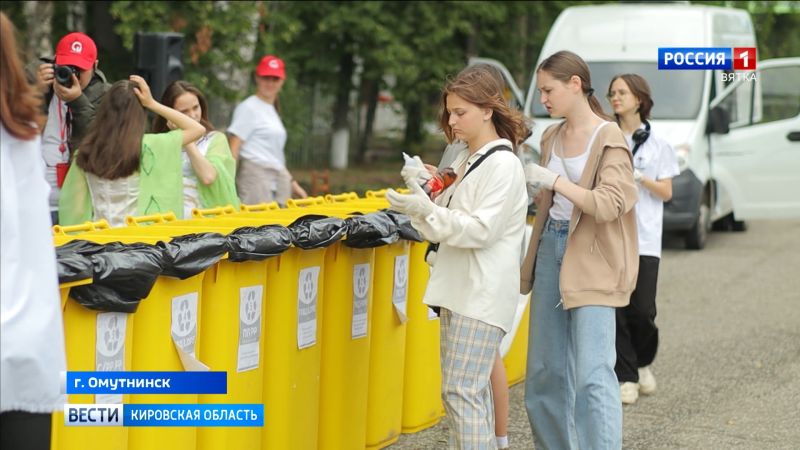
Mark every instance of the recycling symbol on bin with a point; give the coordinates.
(307, 289)
(184, 318)
(250, 307)
(400, 273)
(111, 340)
(360, 287)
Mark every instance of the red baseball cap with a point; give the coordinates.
(271, 66)
(76, 49)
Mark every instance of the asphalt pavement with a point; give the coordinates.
(728, 368)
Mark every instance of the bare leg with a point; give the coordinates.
(500, 394)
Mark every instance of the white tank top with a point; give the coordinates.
(114, 200)
(572, 169)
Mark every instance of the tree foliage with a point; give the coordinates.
(347, 50)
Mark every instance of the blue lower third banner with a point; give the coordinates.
(146, 383)
(164, 415)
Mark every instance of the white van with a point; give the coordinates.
(747, 170)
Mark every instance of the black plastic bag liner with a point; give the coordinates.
(72, 260)
(186, 256)
(316, 231)
(123, 274)
(404, 227)
(258, 243)
(370, 230)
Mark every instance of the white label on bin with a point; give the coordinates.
(184, 330)
(249, 327)
(400, 291)
(110, 349)
(360, 293)
(307, 307)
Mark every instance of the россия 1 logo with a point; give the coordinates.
(706, 58)
(725, 59)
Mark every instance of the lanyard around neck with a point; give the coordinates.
(62, 130)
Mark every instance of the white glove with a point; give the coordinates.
(637, 176)
(415, 173)
(416, 204)
(539, 177)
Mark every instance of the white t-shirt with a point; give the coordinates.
(258, 124)
(572, 169)
(51, 140)
(32, 337)
(656, 160)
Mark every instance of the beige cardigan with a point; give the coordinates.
(601, 261)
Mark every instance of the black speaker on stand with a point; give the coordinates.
(159, 59)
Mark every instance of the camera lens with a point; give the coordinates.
(64, 75)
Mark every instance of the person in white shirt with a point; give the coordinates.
(257, 139)
(655, 164)
(479, 224)
(32, 354)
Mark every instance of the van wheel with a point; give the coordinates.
(697, 236)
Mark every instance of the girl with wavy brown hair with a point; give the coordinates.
(479, 224)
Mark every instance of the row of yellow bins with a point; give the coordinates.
(334, 341)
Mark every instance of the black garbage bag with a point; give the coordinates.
(404, 227)
(316, 231)
(123, 274)
(370, 230)
(258, 243)
(72, 260)
(186, 256)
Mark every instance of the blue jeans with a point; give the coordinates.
(571, 390)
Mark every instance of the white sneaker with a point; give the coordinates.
(647, 382)
(628, 392)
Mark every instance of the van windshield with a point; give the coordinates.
(676, 93)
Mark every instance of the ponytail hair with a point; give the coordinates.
(563, 65)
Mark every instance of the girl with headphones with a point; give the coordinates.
(654, 164)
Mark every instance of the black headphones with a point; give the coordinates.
(640, 136)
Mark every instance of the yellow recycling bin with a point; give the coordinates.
(422, 404)
(167, 323)
(293, 311)
(387, 333)
(232, 333)
(292, 349)
(345, 352)
(422, 388)
(346, 349)
(517, 356)
(94, 341)
(387, 345)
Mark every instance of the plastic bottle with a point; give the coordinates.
(431, 186)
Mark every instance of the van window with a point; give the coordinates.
(780, 93)
(739, 104)
(677, 94)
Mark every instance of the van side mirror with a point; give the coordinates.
(719, 121)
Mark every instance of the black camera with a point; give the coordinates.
(64, 74)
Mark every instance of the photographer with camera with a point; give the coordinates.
(73, 88)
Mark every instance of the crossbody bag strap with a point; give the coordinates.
(478, 163)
